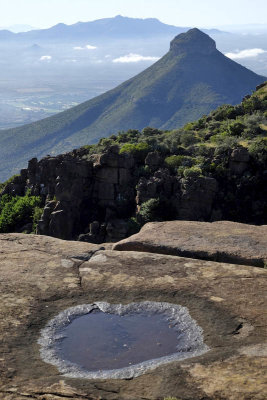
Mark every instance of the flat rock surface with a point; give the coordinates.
(42, 276)
(222, 241)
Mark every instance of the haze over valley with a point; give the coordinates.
(50, 70)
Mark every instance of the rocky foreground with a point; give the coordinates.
(41, 276)
(223, 241)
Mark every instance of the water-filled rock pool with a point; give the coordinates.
(103, 340)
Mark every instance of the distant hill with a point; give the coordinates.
(7, 35)
(18, 28)
(192, 79)
(118, 27)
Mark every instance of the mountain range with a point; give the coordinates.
(190, 80)
(110, 28)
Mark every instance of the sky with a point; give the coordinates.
(200, 13)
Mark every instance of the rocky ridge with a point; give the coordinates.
(95, 196)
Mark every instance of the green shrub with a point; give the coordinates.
(174, 161)
(156, 210)
(148, 131)
(225, 111)
(179, 161)
(188, 139)
(149, 210)
(252, 104)
(189, 126)
(17, 211)
(236, 128)
(130, 136)
(258, 150)
(139, 150)
(192, 172)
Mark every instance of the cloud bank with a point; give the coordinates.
(130, 58)
(45, 58)
(87, 47)
(245, 53)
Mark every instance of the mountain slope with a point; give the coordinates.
(190, 80)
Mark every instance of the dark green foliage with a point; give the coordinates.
(149, 210)
(258, 150)
(17, 211)
(226, 112)
(192, 172)
(174, 161)
(236, 128)
(155, 210)
(148, 131)
(187, 139)
(139, 150)
(178, 161)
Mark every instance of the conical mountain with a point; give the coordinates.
(190, 80)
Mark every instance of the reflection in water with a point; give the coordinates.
(119, 341)
(99, 340)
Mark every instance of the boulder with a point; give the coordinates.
(42, 276)
(116, 230)
(196, 199)
(43, 223)
(61, 224)
(161, 184)
(97, 233)
(222, 241)
(153, 159)
(239, 160)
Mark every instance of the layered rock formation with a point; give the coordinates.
(42, 276)
(93, 197)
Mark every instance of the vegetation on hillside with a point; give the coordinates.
(18, 211)
(201, 148)
(204, 148)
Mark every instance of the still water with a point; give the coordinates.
(101, 341)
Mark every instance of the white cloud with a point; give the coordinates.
(130, 58)
(245, 53)
(87, 47)
(45, 58)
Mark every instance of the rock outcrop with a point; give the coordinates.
(42, 276)
(92, 197)
(222, 241)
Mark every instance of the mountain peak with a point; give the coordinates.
(193, 41)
